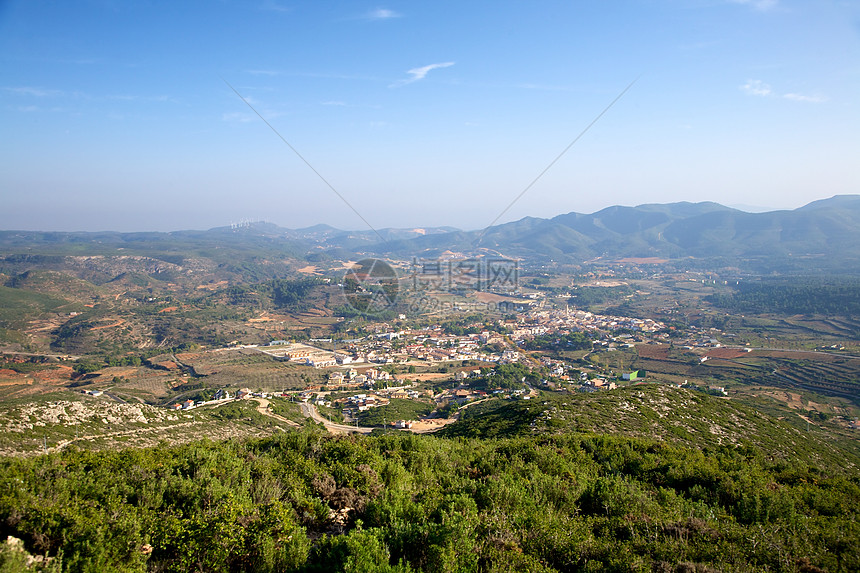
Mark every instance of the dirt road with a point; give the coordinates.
(263, 408)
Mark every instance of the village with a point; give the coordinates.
(434, 345)
(444, 371)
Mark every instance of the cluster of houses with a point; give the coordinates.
(460, 396)
(362, 402)
(351, 377)
(389, 346)
(538, 322)
(221, 396)
(432, 344)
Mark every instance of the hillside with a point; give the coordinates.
(660, 412)
(57, 421)
(306, 502)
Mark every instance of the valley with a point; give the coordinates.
(197, 347)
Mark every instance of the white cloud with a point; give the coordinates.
(421, 73)
(338, 103)
(761, 89)
(805, 98)
(756, 88)
(382, 14)
(761, 5)
(264, 72)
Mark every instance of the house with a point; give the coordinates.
(321, 361)
(188, 404)
(297, 354)
(635, 375)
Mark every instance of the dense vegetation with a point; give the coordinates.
(396, 409)
(304, 501)
(559, 342)
(505, 376)
(837, 296)
(685, 417)
(585, 296)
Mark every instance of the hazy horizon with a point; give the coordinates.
(244, 222)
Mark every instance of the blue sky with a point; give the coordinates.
(115, 115)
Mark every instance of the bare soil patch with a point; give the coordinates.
(653, 352)
(728, 353)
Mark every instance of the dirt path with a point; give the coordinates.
(263, 408)
(310, 411)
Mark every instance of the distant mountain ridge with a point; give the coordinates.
(821, 236)
(824, 235)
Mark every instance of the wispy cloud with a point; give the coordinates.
(139, 98)
(805, 98)
(263, 72)
(760, 89)
(337, 103)
(760, 5)
(756, 88)
(272, 6)
(34, 92)
(238, 117)
(421, 73)
(381, 14)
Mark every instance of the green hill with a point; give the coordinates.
(659, 412)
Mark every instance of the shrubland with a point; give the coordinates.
(307, 501)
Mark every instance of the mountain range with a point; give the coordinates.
(823, 236)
